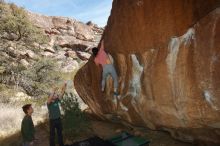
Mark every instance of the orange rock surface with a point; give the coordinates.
(167, 56)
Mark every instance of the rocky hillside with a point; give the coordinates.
(74, 37)
(65, 48)
(167, 57)
(68, 40)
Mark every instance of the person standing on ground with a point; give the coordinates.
(102, 58)
(27, 126)
(55, 115)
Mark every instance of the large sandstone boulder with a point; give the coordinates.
(167, 56)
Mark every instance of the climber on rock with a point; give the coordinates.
(103, 59)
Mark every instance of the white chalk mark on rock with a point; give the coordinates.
(173, 48)
(135, 83)
(123, 107)
(172, 56)
(140, 3)
(171, 60)
(210, 99)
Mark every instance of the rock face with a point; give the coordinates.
(65, 35)
(167, 56)
(67, 30)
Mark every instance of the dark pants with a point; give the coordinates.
(56, 124)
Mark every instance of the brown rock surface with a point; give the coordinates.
(167, 55)
(153, 21)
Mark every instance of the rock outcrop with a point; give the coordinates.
(70, 31)
(65, 35)
(167, 56)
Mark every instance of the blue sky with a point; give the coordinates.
(97, 11)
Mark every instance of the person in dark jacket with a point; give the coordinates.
(27, 126)
(54, 115)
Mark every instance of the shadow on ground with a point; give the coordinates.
(101, 129)
(16, 139)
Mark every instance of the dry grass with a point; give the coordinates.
(11, 116)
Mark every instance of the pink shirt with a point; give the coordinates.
(101, 57)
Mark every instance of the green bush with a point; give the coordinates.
(35, 80)
(15, 23)
(39, 78)
(75, 121)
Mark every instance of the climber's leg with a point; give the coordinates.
(115, 79)
(113, 73)
(104, 76)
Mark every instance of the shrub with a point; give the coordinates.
(15, 25)
(40, 77)
(75, 121)
(36, 80)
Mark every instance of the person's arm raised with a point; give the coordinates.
(63, 90)
(50, 97)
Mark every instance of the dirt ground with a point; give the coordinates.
(102, 129)
(106, 130)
